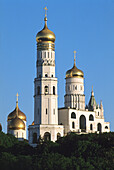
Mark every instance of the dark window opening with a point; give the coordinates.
(54, 90)
(46, 111)
(73, 125)
(91, 118)
(91, 127)
(46, 89)
(73, 115)
(106, 127)
(47, 136)
(46, 75)
(58, 135)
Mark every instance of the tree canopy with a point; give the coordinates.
(72, 152)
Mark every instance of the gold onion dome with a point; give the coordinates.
(45, 34)
(21, 115)
(13, 114)
(74, 72)
(16, 124)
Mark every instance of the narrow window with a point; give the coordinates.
(52, 75)
(54, 111)
(38, 90)
(76, 88)
(46, 89)
(73, 125)
(48, 54)
(98, 113)
(46, 75)
(54, 90)
(91, 127)
(46, 111)
(17, 134)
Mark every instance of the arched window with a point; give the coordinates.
(73, 115)
(47, 136)
(91, 118)
(52, 75)
(34, 137)
(54, 90)
(46, 89)
(82, 123)
(58, 135)
(73, 125)
(91, 127)
(46, 75)
(106, 127)
(38, 90)
(99, 127)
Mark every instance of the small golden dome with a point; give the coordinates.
(16, 124)
(21, 115)
(45, 34)
(74, 72)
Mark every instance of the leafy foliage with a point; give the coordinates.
(74, 152)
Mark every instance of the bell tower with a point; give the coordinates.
(45, 89)
(45, 98)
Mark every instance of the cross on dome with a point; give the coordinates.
(45, 11)
(74, 57)
(17, 104)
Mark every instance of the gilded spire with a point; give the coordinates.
(74, 58)
(45, 19)
(92, 93)
(17, 104)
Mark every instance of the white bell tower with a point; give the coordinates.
(45, 86)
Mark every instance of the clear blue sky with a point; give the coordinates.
(86, 26)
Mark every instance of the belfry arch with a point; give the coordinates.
(47, 136)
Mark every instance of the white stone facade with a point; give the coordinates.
(49, 122)
(73, 124)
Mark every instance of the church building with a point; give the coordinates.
(50, 123)
(16, 123)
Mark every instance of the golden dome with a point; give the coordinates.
(45, 34)
(13, 114)
(16, 124)
(74, 72)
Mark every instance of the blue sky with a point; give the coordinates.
(82, 25)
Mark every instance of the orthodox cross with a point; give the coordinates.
(74, 57)
(17, 105)
(17, 97)
(45, 11)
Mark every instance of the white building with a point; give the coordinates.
(75, 116)
(49, 121)
(16, 123)
(45, 90)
